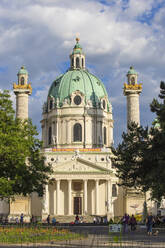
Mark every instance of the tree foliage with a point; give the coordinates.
(22, 167)
(140, 158)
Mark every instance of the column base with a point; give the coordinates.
(44, 217)
(110, 216)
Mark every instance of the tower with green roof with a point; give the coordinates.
(132, 90)
(22, 91)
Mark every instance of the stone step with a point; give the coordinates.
(71, 218)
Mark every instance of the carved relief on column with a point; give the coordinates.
(85, 196)
(45, 203)
(97, 196)
(69, 197)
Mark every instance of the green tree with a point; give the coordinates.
(22, 166)
(140, 158)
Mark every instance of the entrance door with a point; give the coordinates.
(78, 205)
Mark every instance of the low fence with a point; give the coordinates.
(78, 236)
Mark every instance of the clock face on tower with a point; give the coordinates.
(77, 100)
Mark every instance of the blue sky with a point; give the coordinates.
(40, 34)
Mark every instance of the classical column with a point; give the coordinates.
(63, 132)
(58, 131)
(96, 196)
(46, 201)
(69, 196)
(85, 196)
(57, 196)
(109, 195)
(29, 205)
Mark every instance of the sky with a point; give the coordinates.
(114, 34)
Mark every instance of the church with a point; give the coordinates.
(77, 134)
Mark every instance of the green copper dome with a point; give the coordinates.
(77, 80)
(131, 71)
(22, 70)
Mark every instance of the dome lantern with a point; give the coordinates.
(77, 58)
(132, 76)
(22, 76)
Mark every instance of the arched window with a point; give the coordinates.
(114, 190)
(22, 81)
(72, 62)
(104, 104)
(105, 136)
(77, 132)
(82, 63)
(133, 80)
(51, 104)
(50, 135)
(77, 63)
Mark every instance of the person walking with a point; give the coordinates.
(125, 221)
(149, 223)
(133, 223)
(48, 219)
(21, 219)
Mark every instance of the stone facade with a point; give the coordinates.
(77, 134)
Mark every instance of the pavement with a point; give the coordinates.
(99, 236)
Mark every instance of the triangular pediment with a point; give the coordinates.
(80, 165)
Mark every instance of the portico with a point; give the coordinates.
(83, 196)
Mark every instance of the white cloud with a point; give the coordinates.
(40, 34)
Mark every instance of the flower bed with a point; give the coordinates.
(18, 235)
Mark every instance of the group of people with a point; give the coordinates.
(53, 220)
(100, 220)
(127, 220)
(78, 219)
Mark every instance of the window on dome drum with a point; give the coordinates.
(72, 62)
(77, 100)
(51, 104)
(50, 135)
(114, 190)
(82, 63)
(104, 104)
(113, 166)
(77, 132)
(22, 81)
(105, 136)
(77, 63)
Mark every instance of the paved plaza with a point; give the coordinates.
(99, 236)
